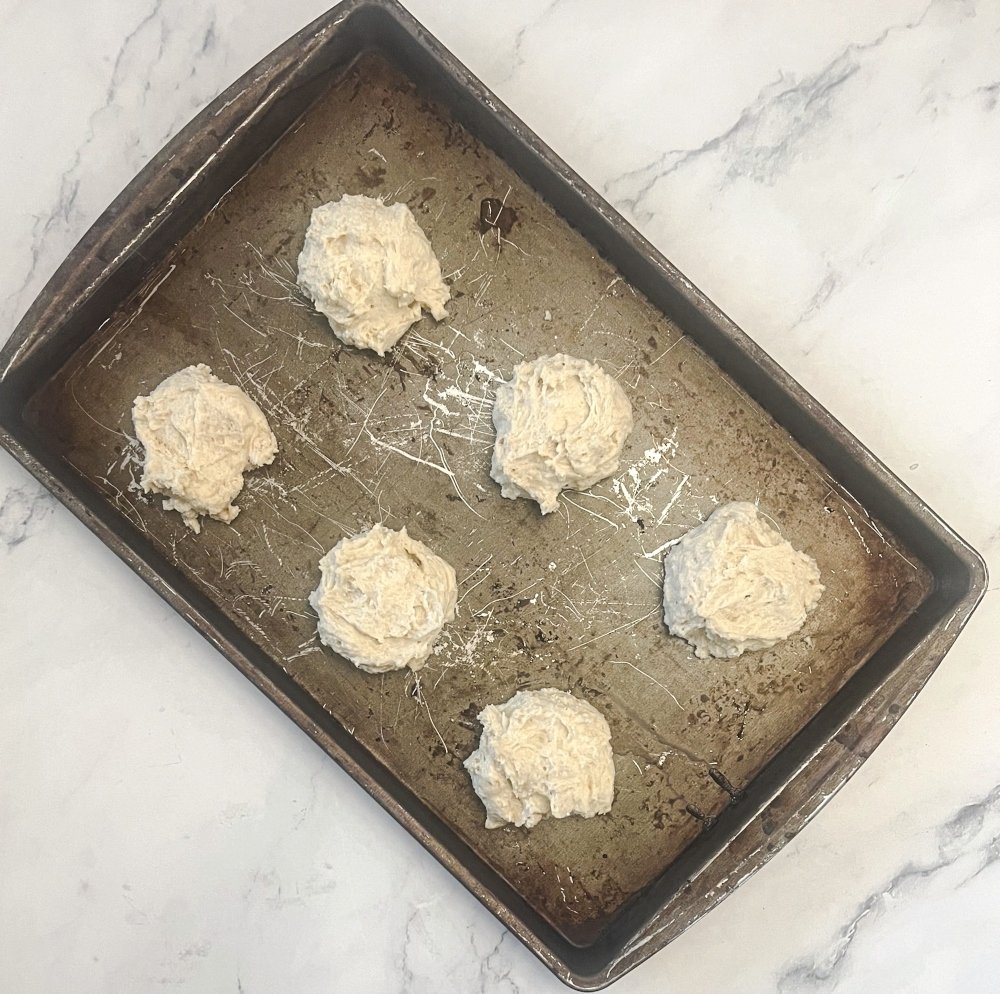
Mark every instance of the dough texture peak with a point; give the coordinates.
(561, 424)
(370, 268)
(199, 436)
(542, 753)
(383, 599)
(734, 584)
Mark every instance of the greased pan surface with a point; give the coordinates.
(571, 600)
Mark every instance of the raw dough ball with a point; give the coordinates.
(200, 434)
(543, 752)
(733, 583)
(383, 600)
(561, 425)
(369, 268)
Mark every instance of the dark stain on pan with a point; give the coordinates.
(495, 216)
(370, 176)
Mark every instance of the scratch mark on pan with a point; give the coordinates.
(652, 579)
(271, 403)
(142, 303)
(263, 533)
(666, 690)
(408, 455)
(95, 356)
(364, 424)
(586, 510)
(445, 469)
(466, 579)
(458, 334)
(857, 530)
(287, 283)
(666, 350)
(901, 556)
(303, 652)
(129, 506)
(660, 549)
(668, 507)
(312, 538)
(600, 300)
(624, 369)
(156, 286)
(469, 590)
(423, 700)
(627, 624)
(507, 597)
(76, 400)
(569, 602)
(454, 650)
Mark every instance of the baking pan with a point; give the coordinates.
(718, 763)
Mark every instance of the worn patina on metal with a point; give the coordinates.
(718, 763)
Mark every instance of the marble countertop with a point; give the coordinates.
(827, 173)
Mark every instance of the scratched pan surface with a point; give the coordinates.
(571, 600)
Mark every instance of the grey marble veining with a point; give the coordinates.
(966, 846)
(769, 132)
(828, 174)
(23, 511)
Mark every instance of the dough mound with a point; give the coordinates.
(383, 600)
(369, 268)
(543, 752)
(200, 434)
(561, 424)
(733, 584)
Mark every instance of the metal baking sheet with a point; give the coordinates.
(196, 263)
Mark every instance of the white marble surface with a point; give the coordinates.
(827, 172)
